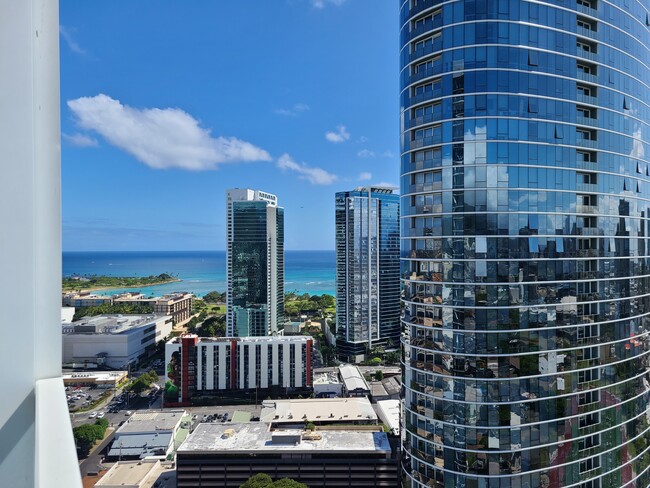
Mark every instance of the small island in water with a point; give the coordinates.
(97, 282)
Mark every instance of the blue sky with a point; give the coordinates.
(165, 105)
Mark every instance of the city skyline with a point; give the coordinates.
(168, 114)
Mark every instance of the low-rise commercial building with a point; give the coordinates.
(177, 304)
(203, 367)
(149, 435)
(354, 384)
(139, 474)
(99, 379)
(114, 341)
(226, 455)
(327, 385)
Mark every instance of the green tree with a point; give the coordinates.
(263, 480)
(291, 308)
(214, 297)
(392, 357)
(379, 375)
(213, 327)
(85, 435)
(288, 483)
(260, 480)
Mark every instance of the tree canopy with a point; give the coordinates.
(86, 435)
(295, 304)
(213, 327)
(263, 480)
(143, 382)
(214, 297)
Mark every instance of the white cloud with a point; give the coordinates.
(69, 40)
(366, 153)
(341, 135)
(161, 138)
(387, 154)
(363, 139)
(365, 176)
(294, 111)
(320, 4)
(316, 176)
(79, 140)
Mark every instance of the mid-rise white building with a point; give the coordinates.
(202, 366)
(255, 263)
(116, 341)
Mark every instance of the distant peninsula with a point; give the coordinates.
(98, 282)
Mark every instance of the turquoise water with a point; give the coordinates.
(310, 272)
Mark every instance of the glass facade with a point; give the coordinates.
(525, 251)
(255, 265)
(367, 271)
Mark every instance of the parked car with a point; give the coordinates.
(100, 415)
(92, 415)
(128, 413)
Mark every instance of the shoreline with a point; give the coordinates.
(98, 288)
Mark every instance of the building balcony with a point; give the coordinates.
(589, 231)
(587, 33)
(582, 53)
(587, 187)
(587, 99)
(590, 121)
(587, 209)
(588, 77)
(592, 144)
(587, 11)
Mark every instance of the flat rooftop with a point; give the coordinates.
(97, 376)
(129, 473)
(326, 379)
(244, 438)
(143, 474)
(140, 444)
(377, 389)
(318, 410)
(111, 324)
(146, 421)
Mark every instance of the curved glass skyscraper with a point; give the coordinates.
(525, 243)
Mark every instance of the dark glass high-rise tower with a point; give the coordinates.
(367, 271)
(525, 249)
(255, 263)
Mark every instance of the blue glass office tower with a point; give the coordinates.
(255, 263)
(525, 254)
(367, 271)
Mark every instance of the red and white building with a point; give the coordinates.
(205, 366)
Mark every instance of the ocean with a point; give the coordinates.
(310, 272)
